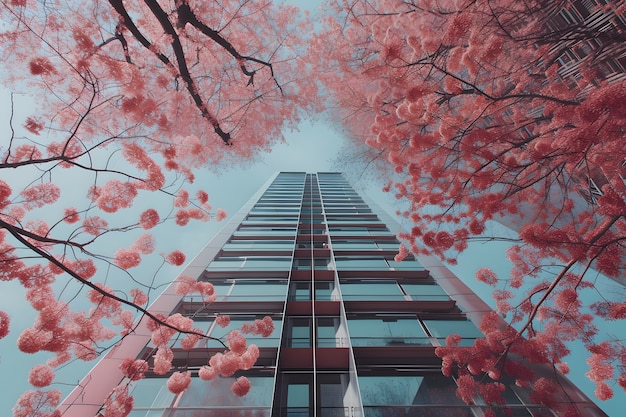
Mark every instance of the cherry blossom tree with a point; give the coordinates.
(469, 103)
(126, 99)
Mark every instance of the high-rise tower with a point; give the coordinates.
(355, 331)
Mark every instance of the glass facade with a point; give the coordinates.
(354, 331)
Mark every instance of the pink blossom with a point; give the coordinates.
(71, 215)
(264, 327)
(126, 319)
(468, 388)
(236, 342)
(178, 382)
(198, 214)
(226, 364)
(162, 335)
(190, 340)
(180, 322)
(207, 373)
(175, 258)
(115, 195)
(139, 297)
(41, 66)
(118, 402)
(4, 324)
(241, 386)
(222, 320)
(487, 276)
(563, 368)
(207, 290)
(249, 357)
(40, 376)
(182, 217)
(34, 126)
(149, 219)
(40, 195)
(202, 196)
(182, 199)
(85, 268)
(134, 369)
(34, 404)
(492, 392)
(33, 340)
(185, 285)
(137, 155)
(94, 225)
(126, 259)
(402, 253)
(5, 193)
(163, 360)
(144, 244)
(93, 192)
(220, 215)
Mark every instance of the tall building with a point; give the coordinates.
(355, 331)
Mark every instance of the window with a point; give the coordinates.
(402, 395)
(258, 245)
(152, 398)
(299, 291)
(299, 333)
(371, 290)
(250, 290)
(237, 321)
(362, 244)
(328, 333)
(305, 263)
(406, 265)
(354, 263)
(425, 292)
(230, 263)
(386, 331)
(265, 231)
(297, 395)
(357, 231)
(464, 328)
(324, 291)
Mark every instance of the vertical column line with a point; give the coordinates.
(313, 324)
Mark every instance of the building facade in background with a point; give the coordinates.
(355, 331)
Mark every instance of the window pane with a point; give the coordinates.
(422, 292)
(359, 264)
(235, 324)
(217, 393)
(464, 328)
(258, 290)
(254, 245)
(324, 291)
(383, 396)
(371, 291)
(405, 265)
(300, 291)
(152, 392)
(386, 332)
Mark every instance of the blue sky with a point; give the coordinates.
(313, 148)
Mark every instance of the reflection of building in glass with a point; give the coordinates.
(355, 331)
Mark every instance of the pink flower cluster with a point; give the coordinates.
(263, 327)
(133, 369)
(175, 258)
(178, 382)
(187, 285)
